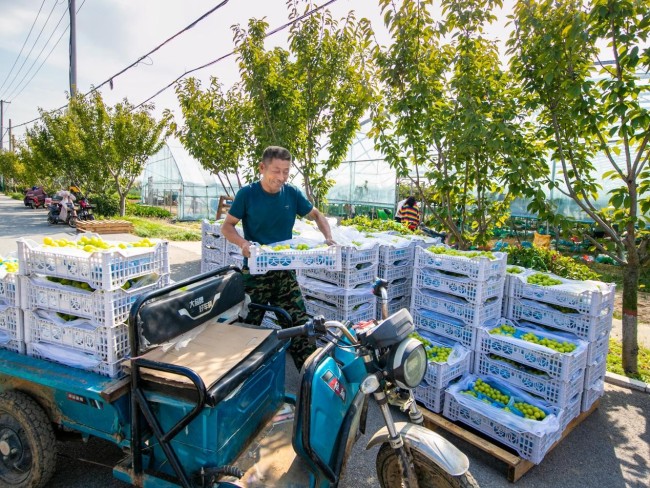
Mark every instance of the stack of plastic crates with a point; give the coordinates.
(346, 294)
(447, 361)
(454, 294)
(548, 365)
(396, 267)
(583, 308)
(11, 316)
(505, 413)
(76, 304)
(216, 250)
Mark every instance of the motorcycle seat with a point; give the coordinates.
(223, 353)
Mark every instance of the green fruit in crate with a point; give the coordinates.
(464, 254)
(541, 279)
(281, 247)
(302, 247)
(514, 270)
(530, 411)
(438, 354)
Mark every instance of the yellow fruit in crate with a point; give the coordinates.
(121, 245)
(89, 248)
(48, 241)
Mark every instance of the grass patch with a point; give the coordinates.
(615, 363)
(614, 274)
(164, 229)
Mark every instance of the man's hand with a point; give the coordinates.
(330, 242)
(246, 249)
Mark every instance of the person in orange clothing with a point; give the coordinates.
(409, 213)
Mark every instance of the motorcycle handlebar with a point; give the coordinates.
(293, 331)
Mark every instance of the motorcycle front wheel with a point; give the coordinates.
(72, 222)
(51, 220)
(429, 474)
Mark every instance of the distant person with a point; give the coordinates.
(409, 213)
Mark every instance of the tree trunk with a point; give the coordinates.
(122, 204)
(630, 319)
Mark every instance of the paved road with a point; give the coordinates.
(610, 448)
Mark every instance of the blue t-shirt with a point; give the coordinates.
(269, 217)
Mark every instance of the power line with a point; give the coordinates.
(33, 45)
(221, 58)
(110, 79)
(24, 43)
(12, 96)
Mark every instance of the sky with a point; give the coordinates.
(112, 34)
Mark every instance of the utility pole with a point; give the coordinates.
(11, 143)
(73, 48)
(2, 121)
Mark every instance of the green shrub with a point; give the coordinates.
(548, 260)
(106, 205)
(147, 211)
(17, 196)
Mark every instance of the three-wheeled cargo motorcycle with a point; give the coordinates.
(203, 402)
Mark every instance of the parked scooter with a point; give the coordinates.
(35, 197)
(54, 215)
(85, 209)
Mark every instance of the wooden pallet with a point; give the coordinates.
(517, 467)
(105, 226)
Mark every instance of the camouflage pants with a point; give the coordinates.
(280, 289)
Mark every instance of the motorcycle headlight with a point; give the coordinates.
(408, 363)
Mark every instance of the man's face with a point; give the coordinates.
(274, 174)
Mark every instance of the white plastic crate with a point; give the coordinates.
(431, 397)
(478, 268)
(11, 324)
(106, 308)
(471, 314)
(365, 311)
(392, 273)
(213, 255)
(74, 359)
(560, 366)
(598, 348)
(107, 344)
(327, 258)
(351, 256)
(596, 371)
(507, 291)
(345, 300)
(471, 290)
(15, 346)
(530, 438)
(592, 393)
(586, 327)
(105, 270)
(210, 265)
(350, 278)
(391, 256)
(9, 288)
(587, 297)
(445, 326)
(399, 288)
(571, 411)
(554, 391)
(439, 375)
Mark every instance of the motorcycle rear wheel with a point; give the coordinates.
(51, 220)
(429, 474)
(72, 222)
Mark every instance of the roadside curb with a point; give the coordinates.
(625, 382)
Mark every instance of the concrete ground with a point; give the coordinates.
(609, 448)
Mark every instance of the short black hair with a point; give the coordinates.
(410, 201)
(275, 152)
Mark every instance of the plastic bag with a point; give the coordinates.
(323, 287)
(550, 424)
(66, 355)
(458, 351)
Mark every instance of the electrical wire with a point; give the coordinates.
(24, 44)
(13, 97)
(33, 46)
(110, 79)
(225, 56)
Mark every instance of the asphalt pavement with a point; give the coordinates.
(609, 448)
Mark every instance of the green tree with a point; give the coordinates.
(215, 128)
(309, 98)
(585, 108)
(450, 118)
(13, 170)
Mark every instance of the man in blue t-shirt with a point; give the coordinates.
(268, 210)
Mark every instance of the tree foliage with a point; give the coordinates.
(451, 119)
(308, 98)
(584, 108)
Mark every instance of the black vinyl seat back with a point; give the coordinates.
(164, 314)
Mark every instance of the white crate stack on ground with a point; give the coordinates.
(530, 438)
(346, 294)
(216, 251)
(76, 303)
(440, 373)
(583, 308)
(453, 295)
(396, 267)
(506, 351)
